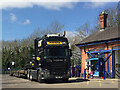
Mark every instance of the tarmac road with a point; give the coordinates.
(14, 82)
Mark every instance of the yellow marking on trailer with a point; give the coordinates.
(54, 42)
(22, 71)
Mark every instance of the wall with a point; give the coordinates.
(84, 56)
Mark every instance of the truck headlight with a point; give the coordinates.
(65, 60)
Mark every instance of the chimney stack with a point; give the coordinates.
(103, 20)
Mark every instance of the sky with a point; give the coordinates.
(19, 20)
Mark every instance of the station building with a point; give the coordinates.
(102, 47)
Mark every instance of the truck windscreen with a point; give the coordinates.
(56, 52)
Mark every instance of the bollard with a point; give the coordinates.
(84, 73)
(103, 73)
(75, 71)
(71, 71)
(78, 73)
(104, 70)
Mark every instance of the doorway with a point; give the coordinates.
(95, 67)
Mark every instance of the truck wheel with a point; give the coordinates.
(28, 74)
(11, 73)
(39, 77)
(31, 77)
(65, 80)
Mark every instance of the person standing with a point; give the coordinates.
(87, 69)
(91, 73)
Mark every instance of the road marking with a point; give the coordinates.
(100, 83)
(87, 83)
(112, 81)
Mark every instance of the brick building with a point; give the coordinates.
(104, 44)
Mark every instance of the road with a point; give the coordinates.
(14, 82)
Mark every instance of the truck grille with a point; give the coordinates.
(58, 68)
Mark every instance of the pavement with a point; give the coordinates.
(14, 82)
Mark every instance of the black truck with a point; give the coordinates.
(51, 59)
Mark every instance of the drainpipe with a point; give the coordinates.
(108, 59)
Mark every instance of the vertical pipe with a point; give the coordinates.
(103, 70)
(107, 60)
(103, 73)
(84, 73)
(112, 63)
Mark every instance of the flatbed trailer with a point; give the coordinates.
(19, 73)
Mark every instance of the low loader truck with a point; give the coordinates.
(51, 59)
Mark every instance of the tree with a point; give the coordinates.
(55, 27)
(21, 51)
(112, 19)
(82, 32)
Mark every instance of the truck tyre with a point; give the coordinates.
(28, 74)
(19, 75)
(31, 77)
(65, 80)
(11, 73)
(39, 77)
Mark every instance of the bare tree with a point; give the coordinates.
(83, 31)
(55, 27)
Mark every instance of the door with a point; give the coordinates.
(95, 67)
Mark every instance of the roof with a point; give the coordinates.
(107, 34)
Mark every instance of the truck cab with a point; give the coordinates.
(52, 58)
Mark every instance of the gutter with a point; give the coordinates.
(99, 42)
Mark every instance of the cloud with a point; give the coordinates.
(13, 17)
(47, 4)
(95, 4)
(27, 21)
(71, 33)
(72, 37)
(6, 4)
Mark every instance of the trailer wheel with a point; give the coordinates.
(11, 73)
(28, 74)
(31, 77)
(19, 75)
(39, 77)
